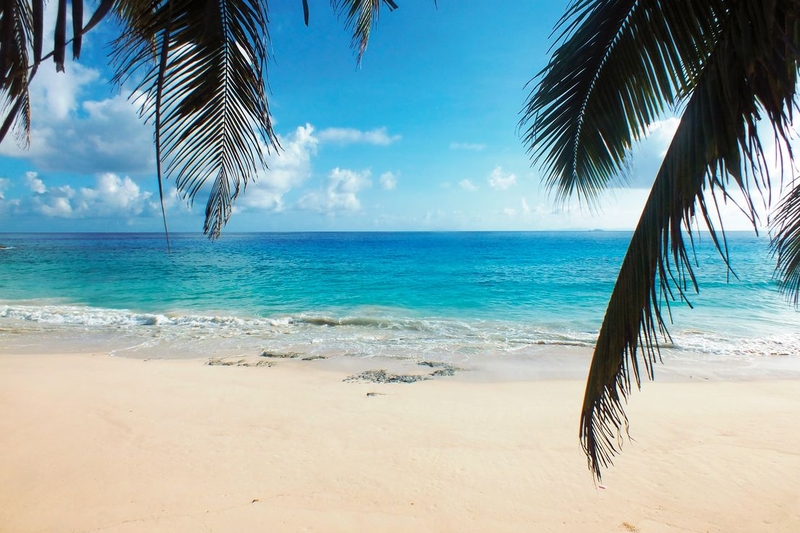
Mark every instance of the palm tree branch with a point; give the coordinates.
(162, 70)
(716, 147)
(22, 25)
(213, 115)
(786, 243)
(16, 23)
(360, 17)
(618, 66)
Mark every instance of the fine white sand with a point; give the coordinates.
(94, 443)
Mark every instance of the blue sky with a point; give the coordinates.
(423, 136)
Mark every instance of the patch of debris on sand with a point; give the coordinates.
(233, 361)
(280, 355)
(382, 376)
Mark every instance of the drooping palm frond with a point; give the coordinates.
(618, 66)
(15, 30)
(360, 17)
(202, 66)
(21, 29)
(750, 72)
(786, 243)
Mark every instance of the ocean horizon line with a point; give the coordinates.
(759, 234)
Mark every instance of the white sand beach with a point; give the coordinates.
(95, 443)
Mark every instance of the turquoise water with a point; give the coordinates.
(434, 295)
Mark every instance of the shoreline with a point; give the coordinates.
(92, 442)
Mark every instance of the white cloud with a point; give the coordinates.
(288, 169)
(291, 167)
(388, 181)
(111, 196)
(86, 137)
(6, 204)
(500, 182)
(647, 155)
(661, 132)
(55, 94)
(476, 147)
(467, 185)
(34, 183)
(510, 211)
(340, 193)
(378, 136)
(525, 207)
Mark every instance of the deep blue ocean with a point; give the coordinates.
(447, 296)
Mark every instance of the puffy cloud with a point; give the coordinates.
(476, 147)
(340, 193)
(54, 95)
(86, 137)
(6, 204)
(525, 207)
(662, 131)
(288, 169)
(34, 183)
(467, 185)
(646, 156)
(388, 181)
(110, 196)
(500, 182)
(379, 136)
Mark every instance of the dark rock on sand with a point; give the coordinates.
(219, 361)
(279, 355)
(381, 376)
(443, 369)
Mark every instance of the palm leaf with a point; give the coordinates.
(619, 65)
(15, 33)
(752, 71)
(206, 97)
(786, 243)
(360, 17)
(21, 26)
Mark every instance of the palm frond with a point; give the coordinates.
(15, 34)
(752, 71)
(21, 28)
(618, 66)
(60, 36)
(786, 243)
(77, 27)
(207, 99)
(360, 17)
